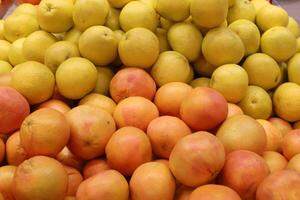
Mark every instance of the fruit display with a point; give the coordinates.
(149, 100)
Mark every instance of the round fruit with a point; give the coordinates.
(89, 13)
(58, 53)
(222, 46)
(55, 16)
(74, 180)
(132, 82)
(105, 75)
(186, 39)
(204, 68)
(15, 54)
(112, 20)
(231, 81)
(178, 12)
(91, 129)
(139, 47)
(294, 68)
(294, 163)
(287, 101)
(6, 181)
(234, 110)
(270, 16)
(99, 101)
(110, 185)
(13, 110)
(283, 126)
(163, 40)
(281, 184)
(19, 26)
(215, 192)
(279, 43)
(197, 159)
(236, 128)
(258, 4)
(76, 77)
(56, 105)
(244, 164)
(262, 70)
(118, 3)
(290, 144)
(44, 132)
(169, 97)
(209, 14)
(33, 80)
(152, 175)
(200, 82)
(135, 111)
(98, 39)
(275, 161)
(40, 177)
(66, 157)
(15, 153)
(2, 150)
(73, 35)
(256, 103)
(164, 132)
(203, 109)
(249, 33)
(171, 66)
(293, 26)
(94, 167)
(36, 45)
(5, 67)
(124, 143)
(4, 50)
(242, 9)
(138, 14)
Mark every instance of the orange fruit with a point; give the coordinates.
(40, 177)
(164, 132)
(135, 111)
(110, 185)
(6, 181)
(91, 129)
(56, 105)
(15, 153)
(2, 150)
(169, 97)
(290, 144)
(128, 148)
(233, 110)
(74, 180)
(66, 157)
(275, 161)
(94, 167)
(44, 132)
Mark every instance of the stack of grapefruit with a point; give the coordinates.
(149, 100)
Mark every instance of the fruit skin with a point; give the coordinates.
(35, 2)
(94, 167)
(40, 177)
(198, 82)
(74, 180)
(111, 185)
(196, 109)
(178, 12)
(55, 16)
(284, 184)
(138, 14)
(89, 13)
(100, 101)
(171, 66)
(169, 97)
(234, 110)
(231, 81)
(275, 161)
(6, 181)
(19, 26)
(222, 46)
(36, 45)
(164, 132)
(209, 14)
(283, 126)
(294, 163)
(293, 69)
(241, 10)
(234, 129)
(293, 26)
(44, 132)
(56, 105)
(197, 159)
(118, 3)
(33, 80)
(76, 77)
(105, 75)
(186, 39)
(14, 108)
(5, 47)
(135, 111)
(139, 47)
(286, 102)
(155, 175)
(270, 16)
(15, 153)
(91, 129)
(290, 144)
(125, 143)
(97, 39)
(183, 193)
(244, 171)
(279, 43)
(66, 157)
(15, 54)
(132, 82)
(216, 192)
(256, 103)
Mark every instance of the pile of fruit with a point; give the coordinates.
(149, 100)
